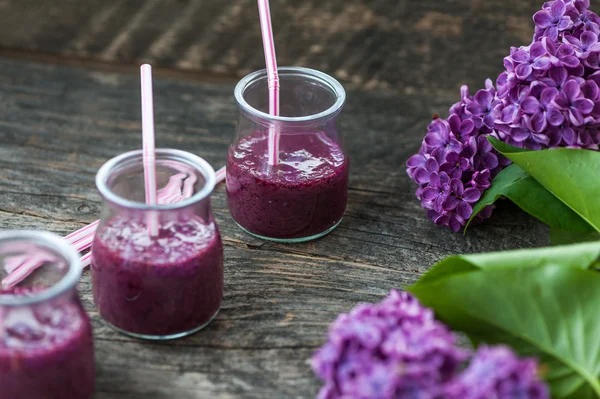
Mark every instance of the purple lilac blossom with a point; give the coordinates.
(394, 349)
(496, 372)
(547, 97)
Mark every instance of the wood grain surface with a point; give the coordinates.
(59, 124)
(407, 45)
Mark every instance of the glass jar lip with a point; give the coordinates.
(51, 241)
(200, 164)
(328, 80)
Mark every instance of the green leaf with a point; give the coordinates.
(581, 256)
(571, 175)
(564, 237)
(548, 311)
(522, 189)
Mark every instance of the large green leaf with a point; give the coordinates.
(522, 189)
(548, 311)
(582, 256)
(571, 175)
(542, 302)
(564, 237)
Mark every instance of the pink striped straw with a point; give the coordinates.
(220, 175)
(148, 144)
(272, 76)
(30, 265)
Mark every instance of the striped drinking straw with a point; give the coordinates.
(272, 76)
(149, 156)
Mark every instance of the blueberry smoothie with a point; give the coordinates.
(303, 196)
(157, 287)
(46, 349)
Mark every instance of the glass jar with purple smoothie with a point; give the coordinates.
(303, 196)
(46, 346)
(161, 286)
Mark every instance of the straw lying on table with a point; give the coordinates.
(272, 76)
(20, 267)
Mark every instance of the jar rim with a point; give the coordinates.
(324, 78)
(202, 166)
(58, 245)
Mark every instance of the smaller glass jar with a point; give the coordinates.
(46, 346)
(165, 286)
(304, 195)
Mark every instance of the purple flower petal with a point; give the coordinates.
(530, 105)
(557, 9)
(555, 117)
(434, 180)
(519, 134)
(523, 71)
(543, 19)
(520, 56)
(454, 224)
(575, 117)
(564, 50)
(430, 193)
(416, 161)
(456, 186)
(584, 105)
(490, 160)
(571, 90)
(450, 203)
(564, 23)
(537, 50)
(542, 63)
(590, 90)
(484, 98)
(464, 210)
(421, 176)
(548, 96)
(471, 195)
(588, 39)
(466, 127)
(558, 75)
(431, 165)
(552, 33)
(538, 122)
(474, 108)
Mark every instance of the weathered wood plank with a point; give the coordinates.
(59, 124)
(401, 45)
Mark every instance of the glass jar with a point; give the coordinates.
(162, 286)
(304, 195)
(46, 346)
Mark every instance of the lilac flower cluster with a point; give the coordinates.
(496, 372)
(547, 97)
(397, 349)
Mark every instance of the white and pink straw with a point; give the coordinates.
(272, 76)
(149, 155)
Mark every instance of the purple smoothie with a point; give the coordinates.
(46, 350)
(304, 196)
(166, 286)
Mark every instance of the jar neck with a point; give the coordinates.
(307, 98)
(57, 270)
(183, 181)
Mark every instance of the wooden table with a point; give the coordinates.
(69, 101)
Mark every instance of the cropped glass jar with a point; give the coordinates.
(304, 195)
(46, 346)
(161, 286)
